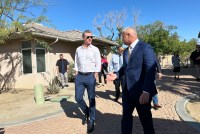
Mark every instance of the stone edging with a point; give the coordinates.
(43, 117)
(181, 111)
(3, 125)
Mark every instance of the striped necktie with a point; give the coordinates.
(129, 52)
(120, 61)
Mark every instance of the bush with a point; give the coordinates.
(53, 87)
(71, 71)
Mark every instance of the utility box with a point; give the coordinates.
(39, 94)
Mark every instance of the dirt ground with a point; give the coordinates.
(193, 109)
(19, 105)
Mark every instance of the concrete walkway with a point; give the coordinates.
(166, 120)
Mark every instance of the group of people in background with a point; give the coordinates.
(134, 69)
(114, 65)
(195, 58)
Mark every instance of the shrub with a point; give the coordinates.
(53, 87)
(71, 77)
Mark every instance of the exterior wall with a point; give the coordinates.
(10, 63)
(68, 51)
(166, 61)
(27, 81)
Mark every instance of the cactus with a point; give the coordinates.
(53, 87)
(71, 73)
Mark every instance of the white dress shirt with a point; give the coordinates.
(87, 59)
(131, 47)
(116, 63)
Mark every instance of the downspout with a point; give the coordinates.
(53, 42)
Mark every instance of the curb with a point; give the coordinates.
(43, 117)
(181, 111)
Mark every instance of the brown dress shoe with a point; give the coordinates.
(156, 106)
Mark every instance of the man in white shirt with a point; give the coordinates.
(87, 66)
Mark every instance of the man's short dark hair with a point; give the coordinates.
(86, 31)
(118, 47)
(61, 54)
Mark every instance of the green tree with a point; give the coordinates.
(159, 36)
(15, 13)
(165, 40)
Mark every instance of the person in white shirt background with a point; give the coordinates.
(116, 63)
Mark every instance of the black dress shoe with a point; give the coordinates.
(90, 127)
(116, 99)
(197, 79)
(85, 118)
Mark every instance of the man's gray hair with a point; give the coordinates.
(134, 31)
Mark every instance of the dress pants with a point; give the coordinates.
(87, 82)
(63, 78)
(104, 76)
(197, 68)
(129, 103)
(117, 83)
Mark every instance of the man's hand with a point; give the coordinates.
(96, 75)
(198, 58)
(144, 98)
(111, 77)
(75, 73)
(160, 75)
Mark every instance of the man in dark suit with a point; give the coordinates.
(138, 87)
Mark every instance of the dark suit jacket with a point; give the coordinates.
(139, 71)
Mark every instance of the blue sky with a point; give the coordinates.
(79, 14)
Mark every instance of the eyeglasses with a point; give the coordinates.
(89, 37)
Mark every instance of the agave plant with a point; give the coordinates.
(71, 73)
(53, 87)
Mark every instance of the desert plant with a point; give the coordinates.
(53, 87)
(71, 72)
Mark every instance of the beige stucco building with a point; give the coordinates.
(24, 63)
(165, 61)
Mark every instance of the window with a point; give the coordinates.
(26, 57)
(40, 58)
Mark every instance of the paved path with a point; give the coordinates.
(166, 120)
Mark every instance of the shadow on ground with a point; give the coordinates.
(71, 109)
(106, 94)
(187, 82)
(107, 123)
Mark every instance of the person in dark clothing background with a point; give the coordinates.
(62, 67)
(195, 57)
(159, 76)
(104, 70)
(116, 63)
